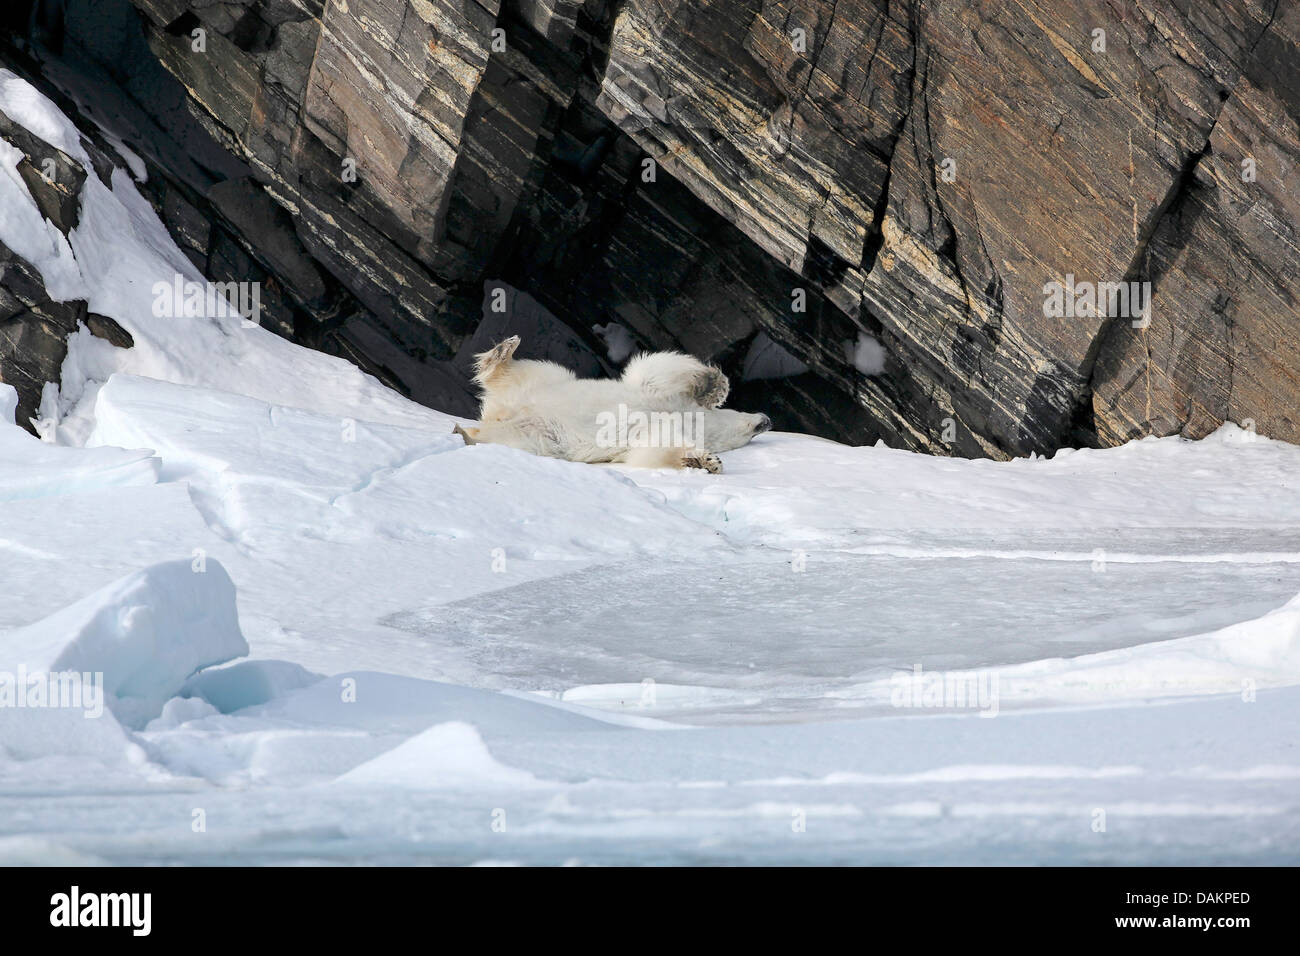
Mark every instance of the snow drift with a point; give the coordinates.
(146, 634)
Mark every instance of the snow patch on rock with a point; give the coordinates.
(865, 354)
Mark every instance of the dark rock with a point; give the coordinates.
(1222, 343)
(702, 172)
(101, 326)
(34, 332)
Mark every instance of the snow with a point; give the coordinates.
(31, 109)
(144, 634)
(766, 359)
(865, 354)
(36, 239)
(446, 755)
(618, 339)
(347, 637)
(34, 468)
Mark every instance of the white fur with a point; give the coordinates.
(543, 408)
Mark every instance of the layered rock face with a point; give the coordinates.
(910, 201)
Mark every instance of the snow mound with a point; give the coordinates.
(1264, 652)
(202, 430)
(450, 755)
(146, 634)
(390, 703)
(329, 726)
(797, 491)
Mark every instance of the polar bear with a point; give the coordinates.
(662, 413)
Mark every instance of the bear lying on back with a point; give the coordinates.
(662, 413)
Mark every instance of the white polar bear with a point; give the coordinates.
(662, 413)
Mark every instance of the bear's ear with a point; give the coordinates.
(487, 363)
(469, 434)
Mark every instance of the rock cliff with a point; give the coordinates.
(970, 228)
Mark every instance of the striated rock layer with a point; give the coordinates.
(730, 177)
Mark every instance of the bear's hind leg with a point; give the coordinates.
(488, 365)
(678, 379)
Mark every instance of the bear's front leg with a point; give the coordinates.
(672, 458)
(702, 459)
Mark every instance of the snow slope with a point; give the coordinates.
(330, 632)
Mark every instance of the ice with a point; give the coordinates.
(145, 634)
(246, 684)
(1239, 658)
(671, 668)
(810, 637)
(317, 729)
(896, 790)
(33, 851)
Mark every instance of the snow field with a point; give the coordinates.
(344, 637)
